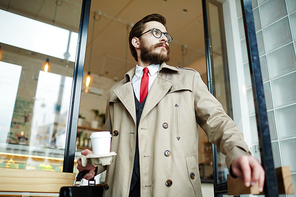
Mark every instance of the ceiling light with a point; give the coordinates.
(87, 82)
(87, 79)
(46, 66)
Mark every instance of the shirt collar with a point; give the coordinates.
(153, 69)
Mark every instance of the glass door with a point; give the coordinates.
(217, 78)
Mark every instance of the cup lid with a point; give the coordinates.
(100, 134)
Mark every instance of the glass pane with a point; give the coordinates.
(288, 156)
(293, 24)
(272, 127)
(264, 68)
(254, 3)
(279, 30)
(250, 101)
(260, 43)
(286, 121)
(244, 50)
(276, 154)
(272, 11)
(247, 75)
(257, 19)
(241, 28)
(294, 184)
(291, 5)
(284, 90)
(281, 61)
(261, 1)
(267, 93)
(34, 110)
(221, 87)
(253, 129)
(238, 8)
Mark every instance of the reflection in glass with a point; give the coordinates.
(34, 108)
(221, 88)
(50, 110)
(37, 36)
(9, 80)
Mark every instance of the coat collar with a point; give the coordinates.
(124, 91)
(163, 66)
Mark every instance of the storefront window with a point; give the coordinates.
(34, 100)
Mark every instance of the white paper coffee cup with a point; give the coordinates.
(101, 142)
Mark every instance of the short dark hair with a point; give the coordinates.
(138, 28)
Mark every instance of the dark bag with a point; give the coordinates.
(91, 190)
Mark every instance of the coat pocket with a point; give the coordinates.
(193, 174)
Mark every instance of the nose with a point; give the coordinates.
(163, 38)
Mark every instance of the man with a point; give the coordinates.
(154, 135)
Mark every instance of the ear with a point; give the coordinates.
(136, 42)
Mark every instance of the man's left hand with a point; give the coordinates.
(249, 170)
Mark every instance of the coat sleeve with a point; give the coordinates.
(219, 127)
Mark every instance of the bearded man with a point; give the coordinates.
(153, 115)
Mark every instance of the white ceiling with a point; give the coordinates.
(110, 54)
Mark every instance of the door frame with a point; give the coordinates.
(270, 186)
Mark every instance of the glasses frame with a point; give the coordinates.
(167, 35)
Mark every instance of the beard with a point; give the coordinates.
(148, 56)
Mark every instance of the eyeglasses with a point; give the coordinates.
(157, 34)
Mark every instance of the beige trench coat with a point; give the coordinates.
(168, 135)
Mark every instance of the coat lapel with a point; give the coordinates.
(158, 90)
(125, 94)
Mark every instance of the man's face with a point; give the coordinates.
(154, 50)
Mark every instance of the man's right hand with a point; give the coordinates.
(91, 169)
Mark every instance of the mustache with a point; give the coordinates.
(161, 44)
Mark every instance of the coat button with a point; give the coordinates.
(165, 125)
(192, 176)
(115, 132)
(167, 153)
(106, 186)
(169, 183)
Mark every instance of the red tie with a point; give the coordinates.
(144, 85)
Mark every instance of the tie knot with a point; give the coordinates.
(146, 70)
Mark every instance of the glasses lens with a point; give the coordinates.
(169, 37)
(156, 33)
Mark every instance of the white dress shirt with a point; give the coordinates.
(136, 80)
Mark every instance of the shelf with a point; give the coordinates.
(89, 128)
(24, 157)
